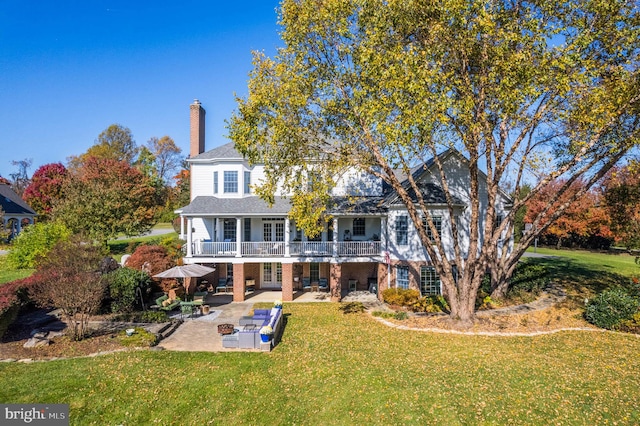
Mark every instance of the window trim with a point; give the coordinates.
(230, 186)
(402, 283)
(402, 230)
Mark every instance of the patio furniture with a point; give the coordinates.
(250, 284)
(225, 329)
(199, 297)
(230, 340)
(224, 284)
(306, 283)
(167, 307)
(188, 308)
(323, 284)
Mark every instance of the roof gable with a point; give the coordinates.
(11, 203)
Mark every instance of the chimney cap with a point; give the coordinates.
(196, 102)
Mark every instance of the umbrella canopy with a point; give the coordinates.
(185, 271)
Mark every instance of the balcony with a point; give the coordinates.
(296, 249)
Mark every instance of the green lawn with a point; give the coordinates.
(623, 263)
(340, 369)
(8, 274)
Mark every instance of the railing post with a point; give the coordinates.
(287, 237)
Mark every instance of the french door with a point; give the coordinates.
(272, 275)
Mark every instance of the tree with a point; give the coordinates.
(20, 179)
(4, 232)
(105, 197)
(584, 217)
(622, 197)
(516, 87)
(166, 154)
(115, 142)
(45, 188)
(71, 281)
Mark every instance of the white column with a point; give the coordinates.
(181, 227)
(335, 237)
(238, 237)
(189, 237)
(287, 236)
(383, 234)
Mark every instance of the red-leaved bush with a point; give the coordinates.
(155, 257)
(13, 295)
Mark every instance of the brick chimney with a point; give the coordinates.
(197, 128)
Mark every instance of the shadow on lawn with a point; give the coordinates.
(578, 280)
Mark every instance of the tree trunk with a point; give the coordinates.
(559, 244)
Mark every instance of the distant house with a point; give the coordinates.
(16, 211)
(369, 244)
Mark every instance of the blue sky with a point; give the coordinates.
(69, 69)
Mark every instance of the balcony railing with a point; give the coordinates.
(296, 248)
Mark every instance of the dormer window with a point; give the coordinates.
(230, 182)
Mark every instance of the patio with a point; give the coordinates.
(201, 332)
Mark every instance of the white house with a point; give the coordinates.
(370, 244)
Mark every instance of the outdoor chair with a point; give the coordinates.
(222, 285)
(306, 283)
(187, 308)
(323, 284)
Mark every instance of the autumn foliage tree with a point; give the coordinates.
(45, 188)
(584, 218)
(622, 201)
(549, 87)
(104, 197)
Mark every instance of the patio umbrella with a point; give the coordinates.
(185, 271)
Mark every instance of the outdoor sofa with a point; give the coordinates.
(170, 307)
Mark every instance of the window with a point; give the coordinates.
(437, 221)
(279, 231)
(247, 229)
(215, 182)
(429, 281)
(402, 277)
(247, 182)
(314, 272)
(230, 182)
(358, 226)
(402, 224)
(230, 270)
(229, 230)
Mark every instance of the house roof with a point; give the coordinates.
(431, 194)
(11, 203)
(358, 205)
(245, 206)
(223, 152)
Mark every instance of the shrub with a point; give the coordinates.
(173, 246)
(631, 325)
(35, 242)
(611, 307)
(430, 304)
(140, 338)
(71, 282)
(156, 258)
(126, 285)
(400, 297)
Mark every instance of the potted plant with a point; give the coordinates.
(265, 333)
(277, 304)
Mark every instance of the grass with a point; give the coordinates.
(332, 368)
(8, 274)
(584, 274)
